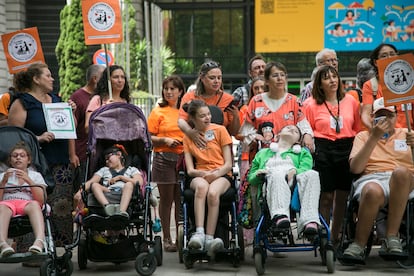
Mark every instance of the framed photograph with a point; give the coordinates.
(59, 120)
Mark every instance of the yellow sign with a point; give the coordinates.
(396, 76)
(289, 25)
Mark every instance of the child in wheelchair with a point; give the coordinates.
(281, 163)
(383, 158)
(114, 177)
(209, 168)
(19, 196)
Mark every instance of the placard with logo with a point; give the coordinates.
(22, 48)
(59, 120)
(102, 22)
(396, 77)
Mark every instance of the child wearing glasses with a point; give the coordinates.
(114, 177)
(19, 196)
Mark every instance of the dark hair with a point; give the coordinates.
(256, 57)
(317, 93)
(265, 124)
(20, 145)
(192, 107)
(254, 80)
(23, 80)
(204, 69)
(272, 64)
(117, 148)
(102, 86)
(176, 82)
(374, 54)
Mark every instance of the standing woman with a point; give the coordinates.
(334, 117)
(167, 140)
(209, 168)
(209, 88)
(120, 91)
(26, 111)
(371, 89)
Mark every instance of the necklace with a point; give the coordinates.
(336, 118)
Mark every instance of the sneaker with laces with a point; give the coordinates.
(392, 249)
(197, 241)
(354, 254)
(214, 245)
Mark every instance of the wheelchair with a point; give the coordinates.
(227, 227)
(406, 232)
(268, 238)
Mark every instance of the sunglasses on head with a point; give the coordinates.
(211, 65)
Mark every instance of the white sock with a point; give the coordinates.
(209, 237)
(200, 230)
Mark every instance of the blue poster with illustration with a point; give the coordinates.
(362, 25)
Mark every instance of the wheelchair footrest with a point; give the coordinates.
(394, 256)
(100, 223)
(23, 257)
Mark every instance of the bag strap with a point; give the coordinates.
(219, 99)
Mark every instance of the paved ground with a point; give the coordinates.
(300, 263)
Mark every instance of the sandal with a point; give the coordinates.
(6, 250)
(169, 246)
(34, 249)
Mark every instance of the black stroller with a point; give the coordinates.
(20, 225)
(125, 124)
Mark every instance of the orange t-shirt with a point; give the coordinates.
(211, 157)
(163, 122)
(322, 121)
(4, 104)
(387, 154)
(289, 113)
(221, 100)
(368, 98)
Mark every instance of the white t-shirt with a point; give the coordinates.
(23, 191)
(106, 175)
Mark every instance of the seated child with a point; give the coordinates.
(24, 200)
(280, 163)
(114, 177)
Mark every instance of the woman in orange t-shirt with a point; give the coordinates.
(167, 140)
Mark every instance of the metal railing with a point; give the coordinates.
(146, 104)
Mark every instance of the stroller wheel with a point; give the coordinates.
(48, 268)
(158, 250)
(180, 242)
(145, 264)
(82, 254)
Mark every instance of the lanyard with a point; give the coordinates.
(336, 118)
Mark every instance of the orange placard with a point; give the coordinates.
(22, 48)
(102, 22)
(396, 76)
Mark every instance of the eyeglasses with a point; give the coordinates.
(331, 60)
(22, 155)
(107, 156)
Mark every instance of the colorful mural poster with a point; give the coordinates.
(362, 25)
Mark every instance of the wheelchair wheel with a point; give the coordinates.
(188, 261)
(158, 250)
(145, 264)
(47, 268)
(330, 260)
(180, 242)
(259, 263)
(82, 254)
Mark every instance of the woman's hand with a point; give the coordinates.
(308, 142)
(170, 142)
(211, 176)
(198, 138)
(46, 137)
(72, 105)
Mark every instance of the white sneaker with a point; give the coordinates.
(196, 241)
(214, 245)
